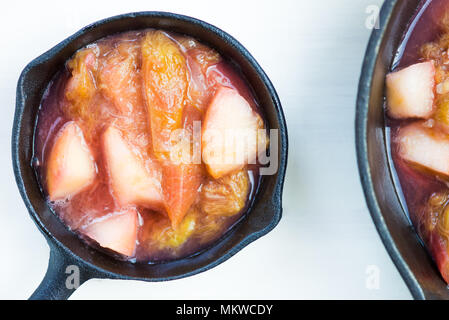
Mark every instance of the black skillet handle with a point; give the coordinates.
(63, 277)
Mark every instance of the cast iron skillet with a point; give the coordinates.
(66, 248)
(400, 239)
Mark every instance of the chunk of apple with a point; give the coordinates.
(117, 231)
(424, 147)
(231, 135)
(132, 181)
(71, 166)
(410, 91)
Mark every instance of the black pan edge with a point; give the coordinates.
(361, 124)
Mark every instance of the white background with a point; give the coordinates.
(312, 51)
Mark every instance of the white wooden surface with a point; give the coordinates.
(326, 241)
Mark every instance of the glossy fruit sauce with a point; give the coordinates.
(119, 82)
(424, 194)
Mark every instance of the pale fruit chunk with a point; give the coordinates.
(410, 91)
(232, 134)
(117, 232)
(225, 196)
(132, 182)
(424, 147)
(71, 166)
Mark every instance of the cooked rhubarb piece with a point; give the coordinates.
(202, 54)
(119, 79)
(199, 59)
(437, 239)
(182, 173)
(81, 87)
(410, 91)
(117, 231)
(132, 181)
(441, 115)
(120, 82)
(424, 147)
(180, 184)
(162, 235)
(165, 85)
(438, 248)
(71, 166)
(434, 228)
(232, 135)
(226, 196)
